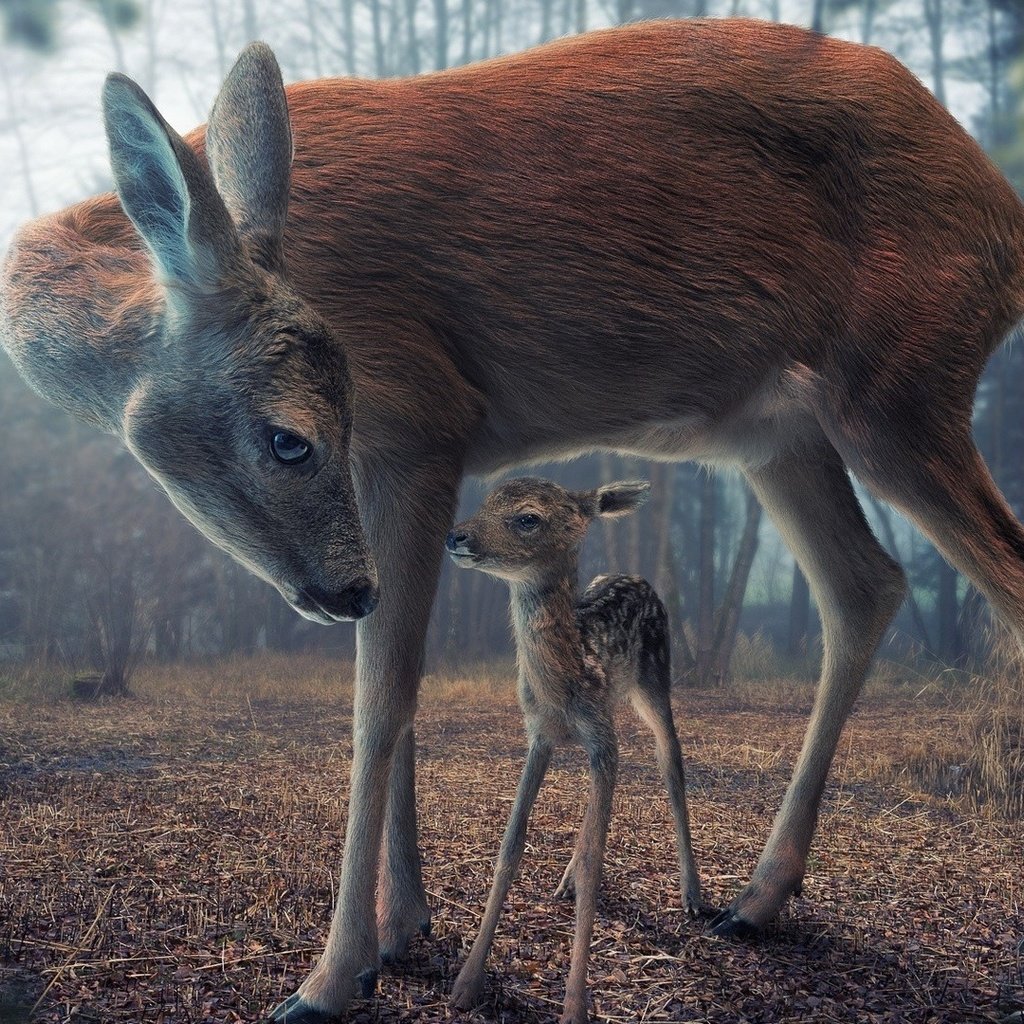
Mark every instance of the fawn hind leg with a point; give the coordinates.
(652, 700)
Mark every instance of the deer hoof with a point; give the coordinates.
(729, 925)
(295, 1010)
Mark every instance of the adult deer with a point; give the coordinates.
(730, 241)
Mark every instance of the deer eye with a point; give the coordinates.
(527, 522)
(288, 448)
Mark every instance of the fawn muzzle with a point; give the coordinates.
(459, 545)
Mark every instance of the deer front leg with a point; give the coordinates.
(406, 520)
(602, 750)
(402, 909)
(470, 982)
(858, 589)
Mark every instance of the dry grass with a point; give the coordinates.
(173, 858)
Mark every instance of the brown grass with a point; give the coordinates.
(173, 858)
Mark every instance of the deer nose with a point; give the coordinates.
(356, 601)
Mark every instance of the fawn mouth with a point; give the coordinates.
(463, 556)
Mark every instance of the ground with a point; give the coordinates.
(173, 858)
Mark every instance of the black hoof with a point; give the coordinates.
(367, 983)
(729, 925)
(294, 1010)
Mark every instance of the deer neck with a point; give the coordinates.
(83, 322)
(547, 636)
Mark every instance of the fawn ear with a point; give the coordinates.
(620, 498)
(166, 190)
(249, 147)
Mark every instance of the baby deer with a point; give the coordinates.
(577, 658)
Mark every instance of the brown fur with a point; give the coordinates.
(724, 240)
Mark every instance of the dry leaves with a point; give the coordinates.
(176, 861)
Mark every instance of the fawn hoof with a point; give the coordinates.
(467, 992)
(567, 886)
(295, 1010)
(575, 1015)
(729, 925)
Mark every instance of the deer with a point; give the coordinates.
(578, 657)
(729, 241)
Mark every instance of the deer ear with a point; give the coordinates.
(165, 189)
(249, 147)
(620, 499)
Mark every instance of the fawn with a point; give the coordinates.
(577, 658)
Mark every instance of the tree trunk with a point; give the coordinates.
(441, 47)
(889, 536)
(933, 17)
(799, 614)
(706, 585)
(948, 613)
(348, 21)
(732, 605)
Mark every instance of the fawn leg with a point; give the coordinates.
(602, 750)
(653, 705)
(469, 984)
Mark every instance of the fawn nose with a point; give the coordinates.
(357, 600)
(457, 539)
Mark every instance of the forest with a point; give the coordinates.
(99, 573)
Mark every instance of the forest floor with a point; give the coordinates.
(172, 858)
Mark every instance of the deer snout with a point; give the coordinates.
(355, 601)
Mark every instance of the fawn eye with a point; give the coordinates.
(527, 522)
(289, 449)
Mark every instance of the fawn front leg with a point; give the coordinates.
(603, 752)
(469, 984)
(406, 521)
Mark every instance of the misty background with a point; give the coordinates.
(98, 570)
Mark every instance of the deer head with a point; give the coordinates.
(227, 386)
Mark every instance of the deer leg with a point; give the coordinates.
(406, 520)
(603, 753)
(944, 487)
(653, 705)
(402, 909)
(469, 984)
(858, 589)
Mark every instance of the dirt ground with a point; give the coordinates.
(174, 859)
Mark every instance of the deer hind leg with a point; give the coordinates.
(652, 700)
(469, 985)
(941, 483)
(858, 589)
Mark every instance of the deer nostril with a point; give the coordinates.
(456, 539)
(363, 598)
(357, 600)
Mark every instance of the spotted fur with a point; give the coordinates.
(578, 656)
